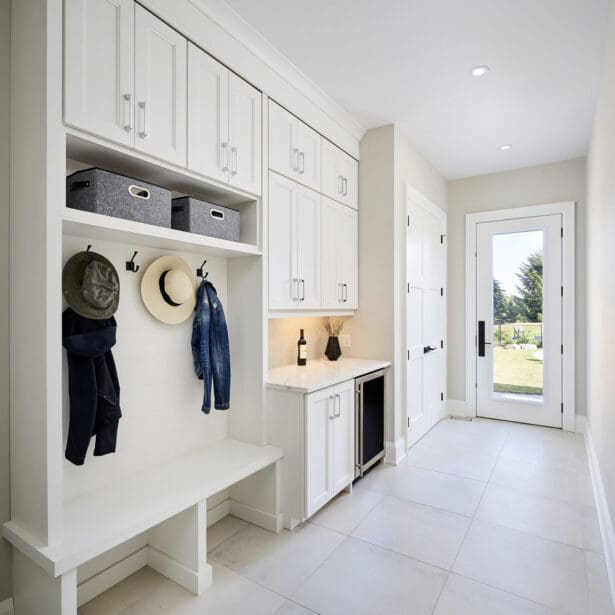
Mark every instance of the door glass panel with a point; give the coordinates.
(517, 367)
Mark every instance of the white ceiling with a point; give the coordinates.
(409, 62)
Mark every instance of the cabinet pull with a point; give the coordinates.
(344, 292)
(301, 163)
(224, 156)
(340, 185)
(332, 416)
(235, 160)
(144, 125)
(345, 186)
(128, 99)
(339, 405)
(296, 158)
(302, 289)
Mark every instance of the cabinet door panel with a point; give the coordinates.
(160, 89)
(308, 248)
(319, 420)
(343, 436)
(347, 255)
(309, 145)
(331, 179)
(98, 68)
(349, 169)
(331, 285)
(283, 290)
(245, 135)
(283, 149)
(208, 84)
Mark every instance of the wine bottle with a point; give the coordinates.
(301, 350)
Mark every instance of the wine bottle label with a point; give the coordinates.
(303, 351)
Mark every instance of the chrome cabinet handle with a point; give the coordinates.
(340, 188)
(344, 292)
(345, 187)
(302, 289)
(144, 120)
(301, 163)
(224, 156)
(128, 99)
(296, 159)
(235, 153)
(339, 405)
(332, 416)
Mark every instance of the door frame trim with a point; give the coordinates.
(567, 211)
(418, 198)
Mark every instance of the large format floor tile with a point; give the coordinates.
(426, 534)
(544, 571)
(534, 514)
(280, 562)
(463, 596)
(446, 491)
(362, 579)
(600, 601)
(223, 529)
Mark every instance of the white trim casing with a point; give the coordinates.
(456, 407)
(567, 211)
(394, 452)
(604, 516)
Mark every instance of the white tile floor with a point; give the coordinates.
(482, 518)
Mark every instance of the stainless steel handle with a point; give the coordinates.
(302, 289)
(332, 416)
(128, 99)
(340, 188)
(224, 156)
(235, 153)
(345, 187)
(339, 405)
(301, 163)
(296, 159)
(344, 292)
(144, 120)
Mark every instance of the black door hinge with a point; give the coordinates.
(408, 421)
(408, 355)
(562, 231)
(562, 349)
(562, 290)
(441, 343)
(408, 221)
(408, 287)
(442, 238)
(562, 407)
(441, 396)
(441, 292)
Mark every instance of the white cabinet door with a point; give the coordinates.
(319, 431)
(98, 68)
(283, 148)
(349, 170)
(309, 145)
(245, 135)
(340, 175)
(160, 89)
(331, 179)
(283, 285)
(331, 285)
(308, 248)
(208, 85)
(347, 233)
(343, 436)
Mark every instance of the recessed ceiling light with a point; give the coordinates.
(505, 147)
(480, 71)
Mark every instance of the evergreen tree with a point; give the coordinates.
(530, 288)
(499, 303)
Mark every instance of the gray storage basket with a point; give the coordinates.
(195, 216)
(104, 192)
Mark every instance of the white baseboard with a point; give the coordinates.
(456, 407)
(268, 521)
(394, 452)
(580, 423)
(604, 515)
(218, 512)
(6, 607)
(195, 582)
(96, 585)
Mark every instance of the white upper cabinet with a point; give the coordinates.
(245, 139)
(160, 88)
(340, 175)
(208, 106)
(98, 67)
(339, 256)
(294, 147)
(308, 248)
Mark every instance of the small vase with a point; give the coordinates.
(333, 351)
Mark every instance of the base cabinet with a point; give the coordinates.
(316, 432)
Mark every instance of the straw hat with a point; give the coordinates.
(91, 285)
(168, 290)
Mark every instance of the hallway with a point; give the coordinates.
(482, 517)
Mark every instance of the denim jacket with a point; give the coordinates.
(210, 348)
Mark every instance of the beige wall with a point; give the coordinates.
(550, 183)
(5, 549)
(600, 264)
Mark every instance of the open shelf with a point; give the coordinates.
(97, 226)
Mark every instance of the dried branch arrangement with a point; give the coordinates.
(334, 327)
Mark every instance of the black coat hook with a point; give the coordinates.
(199, 271)
(131, 265)
(88, 248)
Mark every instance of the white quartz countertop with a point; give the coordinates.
(319, 374)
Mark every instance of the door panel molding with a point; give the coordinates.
(567, 211)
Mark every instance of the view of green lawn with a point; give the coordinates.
(517, 371)
(507, 331)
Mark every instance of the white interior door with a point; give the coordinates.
(208, 147)
(160, 88)
(519, 320)
(426, 255)
(98, 67)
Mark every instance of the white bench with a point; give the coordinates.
(169, 502)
